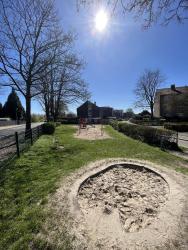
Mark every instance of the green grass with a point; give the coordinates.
(26, 183)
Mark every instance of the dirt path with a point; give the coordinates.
(122, 207)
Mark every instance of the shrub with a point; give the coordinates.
(37, 118)
(48, 128)
(148, 122)
(181, 127)
(114, 124)
(69, 120)
(58, 124)
(154, 136)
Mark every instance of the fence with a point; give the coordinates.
(12, 145)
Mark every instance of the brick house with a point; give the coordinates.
(171, 102)
(88, 110)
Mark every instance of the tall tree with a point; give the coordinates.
(13, 107)
(146, 89)
(29, 30)
(151, 10)
(62, 84)
(1, 110)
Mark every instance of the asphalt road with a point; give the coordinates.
(17, 128)
(183, 139)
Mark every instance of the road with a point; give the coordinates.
(183, 139)
(17, 128)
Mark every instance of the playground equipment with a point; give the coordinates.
(90, 124)
(82, 123)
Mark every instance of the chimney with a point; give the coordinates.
(95, 103)
(173, 87)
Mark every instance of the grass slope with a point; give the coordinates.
(26, 183)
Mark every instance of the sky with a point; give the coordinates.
(116, 57)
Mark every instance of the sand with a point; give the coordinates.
(95, 132)
(120, 207)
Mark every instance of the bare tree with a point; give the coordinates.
(62, 84)
(146, 89)
(28, 32)
(151, 10)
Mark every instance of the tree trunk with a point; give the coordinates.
(47, 114)
(28, 109)
(151, 108)
(47, 109)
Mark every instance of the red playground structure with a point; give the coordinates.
(82, 123)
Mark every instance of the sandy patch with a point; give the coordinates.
(95, 132)
(106, 205)
(135, 194)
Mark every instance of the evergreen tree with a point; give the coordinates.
(1, 110)
(13, 107)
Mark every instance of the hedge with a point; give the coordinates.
(179, 127)
(48, 128)
(71, 120)
(153, 136)
(148, 122)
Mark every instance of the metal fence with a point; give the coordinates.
(12, 145)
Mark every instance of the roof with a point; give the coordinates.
(87, 103)
(178, 88)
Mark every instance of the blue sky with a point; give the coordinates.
(118, 56)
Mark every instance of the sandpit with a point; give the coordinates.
(135, 193)
(122, 204)
(95, 132)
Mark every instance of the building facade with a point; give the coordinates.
(171, 103)
(118, 113)
(106, 112)
(88, 110)
(91, 110)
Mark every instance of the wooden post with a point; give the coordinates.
(38, 133)
(17, 144)
(31, 137)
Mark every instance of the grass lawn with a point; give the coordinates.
(27, 182)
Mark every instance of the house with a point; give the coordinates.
(105, 112)
(88, 110)
(118, 113)
(91, 110)
(171, 103)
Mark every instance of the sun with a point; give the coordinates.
(101, 20)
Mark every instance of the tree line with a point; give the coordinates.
(37, 57)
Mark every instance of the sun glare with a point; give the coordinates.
(101, 20)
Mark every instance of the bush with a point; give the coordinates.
(37, 118)
(71, 120)
(48, 128)
(148, 122)
(58, 124)
(181, 127)
(114, 124)
(154, 136)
